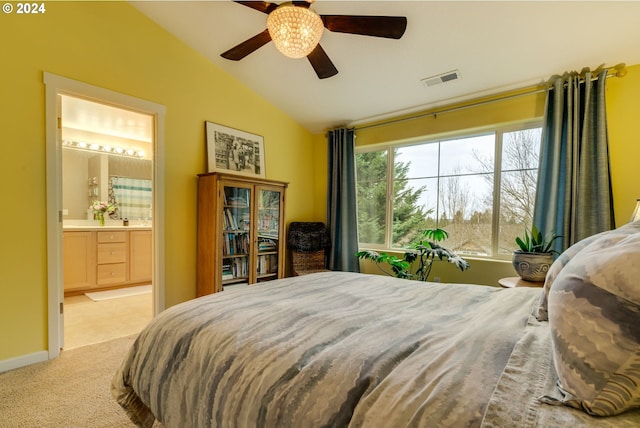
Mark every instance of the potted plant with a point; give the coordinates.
(534, 255)
(420, 256)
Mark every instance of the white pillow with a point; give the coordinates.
(594, 316)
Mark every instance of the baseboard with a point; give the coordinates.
(23, 360)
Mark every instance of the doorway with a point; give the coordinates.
(96, 137)
(107, 182)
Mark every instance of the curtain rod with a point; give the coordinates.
(449, 110)
(619, 71)
(616, 71)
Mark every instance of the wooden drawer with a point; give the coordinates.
(112, 253)
(112, 236)
(113, 273)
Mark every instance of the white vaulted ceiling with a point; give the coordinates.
(495, 45)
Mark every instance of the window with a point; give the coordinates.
(450, 183)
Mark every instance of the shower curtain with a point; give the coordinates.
(132, 196)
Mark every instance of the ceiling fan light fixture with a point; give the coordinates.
(295, 30)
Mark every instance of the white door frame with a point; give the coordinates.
(58, 85)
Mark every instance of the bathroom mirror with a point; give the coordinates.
(106, 156)
(92, 176)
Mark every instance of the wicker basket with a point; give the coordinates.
(308, 242)
(306, 263)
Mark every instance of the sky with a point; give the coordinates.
(456, 157)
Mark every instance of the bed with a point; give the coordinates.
(340, 349)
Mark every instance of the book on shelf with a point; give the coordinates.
(267, 244)
(246, 220)
(230, 222)
(236, 220)
(240, 267)
(227, 272)
(235, 243)
(267, 264)
(226, 247)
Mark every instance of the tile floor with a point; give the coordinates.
(87, 322)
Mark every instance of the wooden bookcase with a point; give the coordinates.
(240, 231)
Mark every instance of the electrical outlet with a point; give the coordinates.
(65, 211)
(436, 279)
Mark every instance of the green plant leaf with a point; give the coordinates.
(534, 242)
(436, 234)
(523, 246)
(421, 254)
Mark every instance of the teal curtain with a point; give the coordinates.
(573, 197)
(342, 219)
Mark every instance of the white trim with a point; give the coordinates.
(54, 224)
(58, 85)
(23, 360)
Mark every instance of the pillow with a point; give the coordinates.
(571, 252)
(556, 268)
(594, 317)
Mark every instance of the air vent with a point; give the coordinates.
(441, 78)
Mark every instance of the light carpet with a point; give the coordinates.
(72, 391)
(118, 292)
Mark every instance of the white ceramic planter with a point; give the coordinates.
(532, 266)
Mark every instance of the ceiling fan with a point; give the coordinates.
(296, 30)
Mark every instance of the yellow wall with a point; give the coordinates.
(623, 113)
(112, 45)
(522, 106)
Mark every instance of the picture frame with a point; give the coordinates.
(234, 151)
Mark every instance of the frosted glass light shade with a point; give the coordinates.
(295, 30)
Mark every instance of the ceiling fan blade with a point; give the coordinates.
(321, 63)
(391, 27)
(262, 6)
(236, 53)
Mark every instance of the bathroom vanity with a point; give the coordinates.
(104, 257)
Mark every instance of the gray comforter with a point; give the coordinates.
(346, 350)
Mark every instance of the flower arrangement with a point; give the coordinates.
(99, 209)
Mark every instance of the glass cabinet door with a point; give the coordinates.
(236, 234)
(268, 230)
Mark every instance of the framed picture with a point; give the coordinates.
(233, 151)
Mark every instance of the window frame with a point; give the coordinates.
(497, 130)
